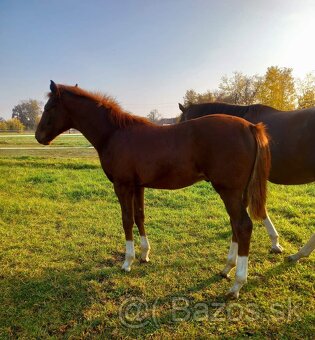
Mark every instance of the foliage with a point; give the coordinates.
(3, 126)
(192, 97)
(239, 89)
(277, 89)
(306, 90)
(27, 112)
(14, 124)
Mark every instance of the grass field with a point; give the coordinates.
(16, 140)
(62, 247)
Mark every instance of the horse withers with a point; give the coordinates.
(292, 148)
(229, 152)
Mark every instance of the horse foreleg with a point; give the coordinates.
(305, 251)
(125, 195)
(139, 219)
(274, 236)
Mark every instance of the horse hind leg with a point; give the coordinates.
(305, 251)
(273, 235)
(276, 248)
(242, 229)
(231, 258)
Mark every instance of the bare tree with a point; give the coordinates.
(154, 116)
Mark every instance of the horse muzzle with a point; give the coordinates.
(42, 138)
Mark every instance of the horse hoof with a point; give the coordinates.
(225, 275)
(292, 258)
(144, 260)
(277, 249)
(232, 295)
(126, 268)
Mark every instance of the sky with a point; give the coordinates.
(147, 53)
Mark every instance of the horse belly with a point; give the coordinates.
(289, 172)
(293, 159)
(174, 180)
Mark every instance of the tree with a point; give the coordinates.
(3, 125)
(306, 91)
(14, 124)
(192, 97)
(277, 88)
(37, 120)
(239, 89)
(26, 112)
(206, 97)
(154, 116)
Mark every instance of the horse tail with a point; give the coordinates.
(256, 191)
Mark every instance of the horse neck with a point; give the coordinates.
(91, 120)
(230, 109)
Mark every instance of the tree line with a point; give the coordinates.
(277, 88)
(25, 115)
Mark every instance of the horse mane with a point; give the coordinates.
(115, 112)
(197, 110)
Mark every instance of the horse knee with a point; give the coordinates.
(243, 232)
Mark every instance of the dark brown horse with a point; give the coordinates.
(229, 152)
(292, 148)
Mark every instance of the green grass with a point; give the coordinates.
(62, 247)
(17, 140)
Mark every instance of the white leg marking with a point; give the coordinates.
(145, 248)
(305, 250)
(274, 236)
(240, 277)
(231, 259)
(130, 256)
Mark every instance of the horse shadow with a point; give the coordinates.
(51, 300)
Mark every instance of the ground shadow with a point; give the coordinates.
(42, 305)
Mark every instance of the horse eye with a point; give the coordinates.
(49, 107)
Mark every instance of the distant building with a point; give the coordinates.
(167, 121)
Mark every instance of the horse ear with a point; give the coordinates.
(181, 107)
(76, 85)
(53, 87)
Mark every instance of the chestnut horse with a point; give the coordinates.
(229, 152)
(292, 148)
